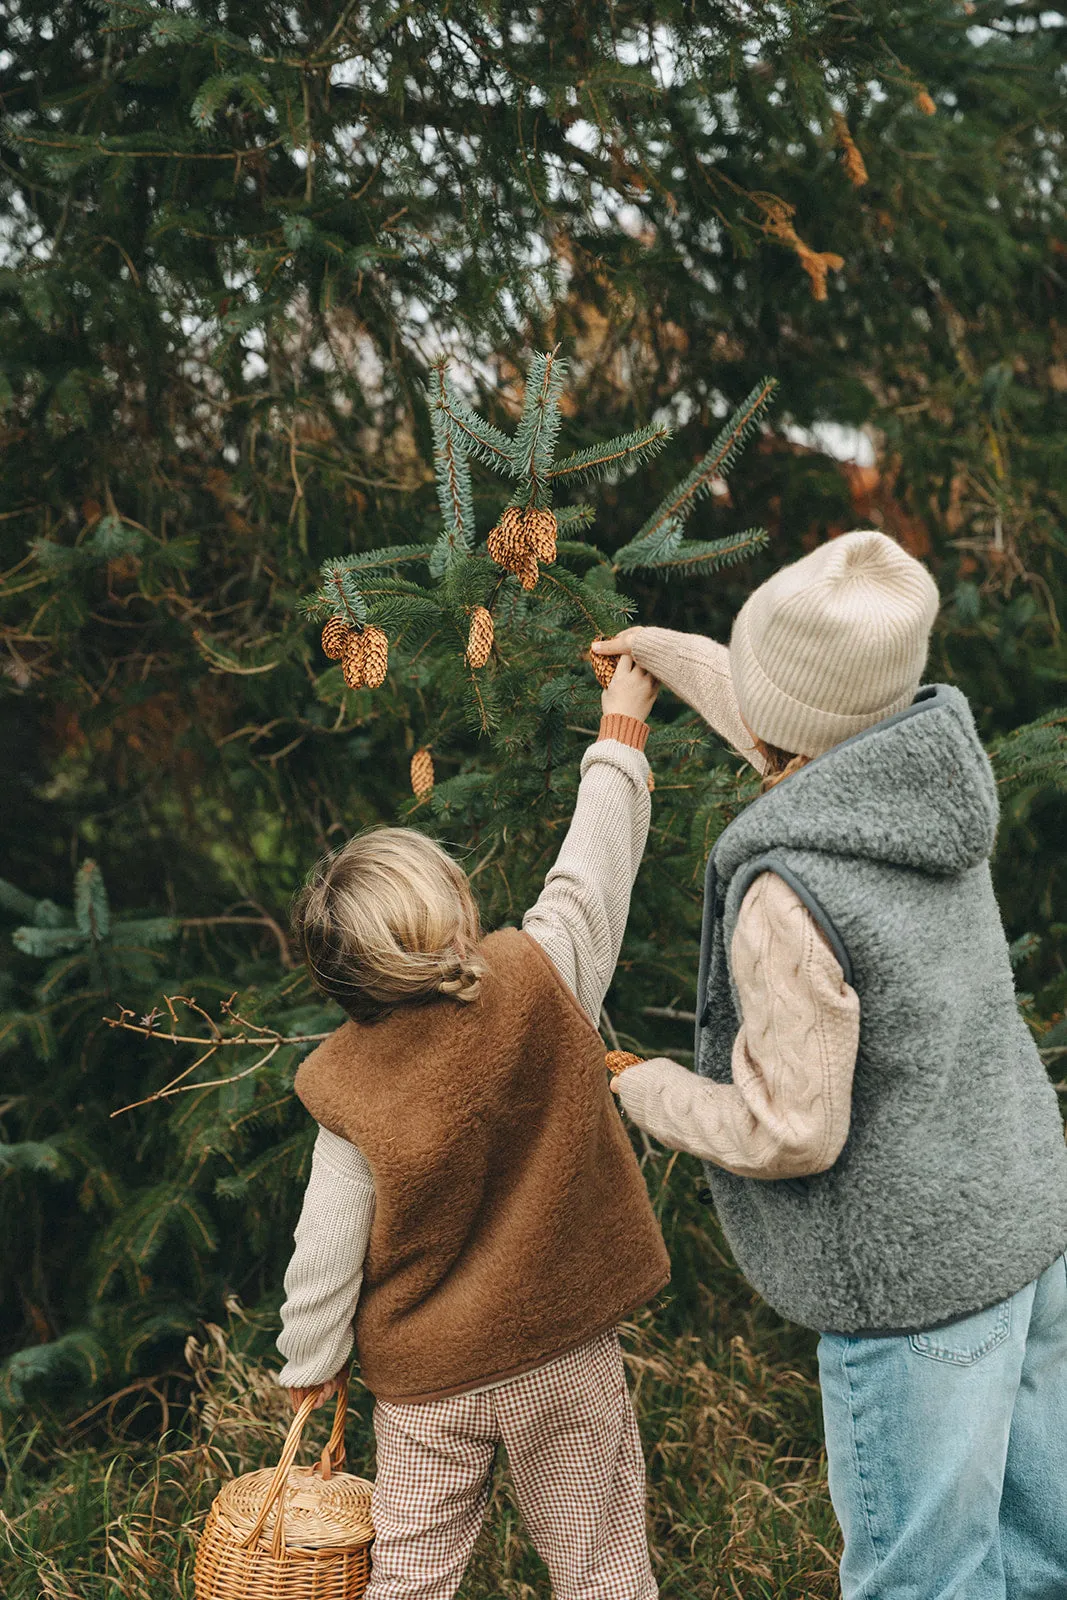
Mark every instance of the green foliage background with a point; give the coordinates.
(237, 238)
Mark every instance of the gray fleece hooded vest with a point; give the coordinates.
(951, 1191)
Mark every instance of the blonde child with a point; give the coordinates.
(882, 1141)
(474, 1203)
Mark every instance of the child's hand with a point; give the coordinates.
(323, 1390)
(632, 691)
(621, 645)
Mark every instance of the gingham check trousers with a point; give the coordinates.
(576, 1463)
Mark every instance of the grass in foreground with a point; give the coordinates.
(726, 1394)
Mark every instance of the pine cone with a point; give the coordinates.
(603, 666)
(526, 570)
(506, 546)
(375, 656)
(352, 660)
(421, 772)
(480, 639)
(511, 522)
(618, 1060)
(540, 530)
(334, 635)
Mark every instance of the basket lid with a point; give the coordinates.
(319, 1514)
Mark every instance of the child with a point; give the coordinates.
(474, 1201)
(883, 1144)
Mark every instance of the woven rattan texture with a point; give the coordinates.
(287, 1532)
(225, 1571)
(318, 1515)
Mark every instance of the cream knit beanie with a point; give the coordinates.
(832, 643)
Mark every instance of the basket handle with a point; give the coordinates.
(332, 1460)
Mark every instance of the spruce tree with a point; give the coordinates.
(239, 242)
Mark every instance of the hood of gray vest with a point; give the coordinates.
(915, 790)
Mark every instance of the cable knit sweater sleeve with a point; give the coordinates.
(786, 1114)
(578, 920)
(697, 670)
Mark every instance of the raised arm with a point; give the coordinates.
(325, 1274)
(787, 1112)
(579, 917)
(697, 670)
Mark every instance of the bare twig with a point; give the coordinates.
(250, 1034)
(264, 919)
(609, 1028)
(669, 1012)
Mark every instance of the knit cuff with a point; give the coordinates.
(627, 730)
(638, 1087)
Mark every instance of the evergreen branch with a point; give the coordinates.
(115, 145)
(538, 429)
(687, 555)
(16, 901)
(676, 506)
(611, 609)
(340, 591)
(478, 437)
(630, 449)
(1033, 756)
(452, 473)
(581, 515)
(485, 716)
(390, 555)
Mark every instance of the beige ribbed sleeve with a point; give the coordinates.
(697, 670)
(579, 917)
(578, 920)
(325, 1274)
(786, 1114)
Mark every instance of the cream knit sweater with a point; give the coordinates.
(578, 920)
(786, 1112)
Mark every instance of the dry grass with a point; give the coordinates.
(108, 1509)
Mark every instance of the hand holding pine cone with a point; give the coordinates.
(617, 1061)
(603, 666)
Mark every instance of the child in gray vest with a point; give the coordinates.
(475, 1208)
(881, 1139)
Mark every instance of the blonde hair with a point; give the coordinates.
(389, 920)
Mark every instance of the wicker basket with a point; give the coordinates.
(316, 1548)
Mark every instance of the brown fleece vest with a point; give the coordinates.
(511, 1219)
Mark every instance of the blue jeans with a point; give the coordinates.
(948, 1453)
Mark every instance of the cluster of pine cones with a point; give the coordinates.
(522, 539)
(362, 652)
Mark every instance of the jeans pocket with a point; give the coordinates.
(967, 1340)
